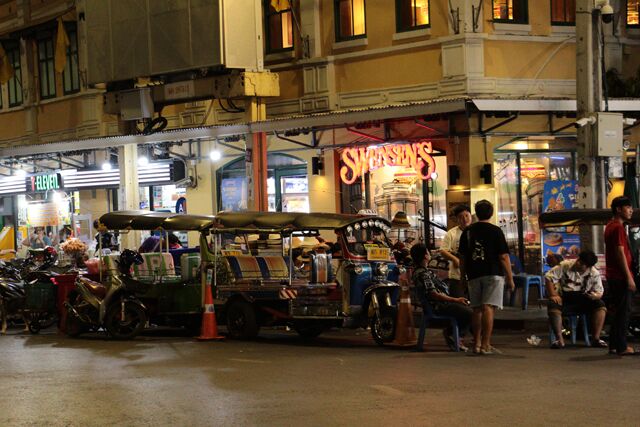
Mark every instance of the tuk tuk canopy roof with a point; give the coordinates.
(290, 220)
(148, 220)
(571, 217)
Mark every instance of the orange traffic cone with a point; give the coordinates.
(209, 330)
(405, 330)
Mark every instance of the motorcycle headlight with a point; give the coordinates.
(357, 268)
(382, 269)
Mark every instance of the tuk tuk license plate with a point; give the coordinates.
(378, 254)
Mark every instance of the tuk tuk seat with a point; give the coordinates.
(273, 267)
(155, 264)
(244, 267)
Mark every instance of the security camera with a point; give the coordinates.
(605, 10)
(580, 123)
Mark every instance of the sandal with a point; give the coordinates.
(556, 345)
(600, 343)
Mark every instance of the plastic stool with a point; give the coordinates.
(573, 324)
(428, 315)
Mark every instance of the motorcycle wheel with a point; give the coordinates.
(40, 321)
(241, 320)
(134, 321)
(383, 326)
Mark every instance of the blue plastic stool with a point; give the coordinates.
(524, 281)
(573, 324)
(428, 315)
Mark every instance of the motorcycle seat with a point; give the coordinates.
(96, 288)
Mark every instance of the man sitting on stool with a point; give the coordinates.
(435, 292)
(575, 287)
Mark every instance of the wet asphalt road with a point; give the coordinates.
(342, 378)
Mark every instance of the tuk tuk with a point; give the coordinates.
(568, 221)
(275, 269)
(269, 269)
(174, 297)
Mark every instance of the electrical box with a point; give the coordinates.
(609, 134)
(136, 104)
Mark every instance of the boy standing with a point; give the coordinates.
(485, 263)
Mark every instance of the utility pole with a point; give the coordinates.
(589, 100)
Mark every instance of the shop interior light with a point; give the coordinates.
(143, 161)
(106, 166)
(434, 175)
(56, 197)
(215, 155)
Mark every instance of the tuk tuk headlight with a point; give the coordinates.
(382, 269)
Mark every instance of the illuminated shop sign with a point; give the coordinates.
(358, 161)
(40, 183)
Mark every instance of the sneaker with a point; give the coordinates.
(449, 340)
(463, 347)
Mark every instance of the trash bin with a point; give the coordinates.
(65, 283)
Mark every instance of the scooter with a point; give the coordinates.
(116, 309)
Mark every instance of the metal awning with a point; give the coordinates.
(549, 105)
(325, 120)
(318, 120)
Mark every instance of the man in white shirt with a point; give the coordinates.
(575, 286)
(449, 250)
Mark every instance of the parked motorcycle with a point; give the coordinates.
(116, 309)
(23, 281)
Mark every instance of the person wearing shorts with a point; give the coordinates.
(485, 263)
(575, 287)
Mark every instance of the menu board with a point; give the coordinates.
(559, 242)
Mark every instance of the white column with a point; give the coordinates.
(129, 194)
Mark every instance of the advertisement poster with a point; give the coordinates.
(560, 242)
(234, 194)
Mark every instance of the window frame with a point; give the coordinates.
(71, 57)
(267, 33)
(14, 85)
(400, 28)
(338, 21)
(626, 16)
(561, 23)
(49, 63)
(521, 3)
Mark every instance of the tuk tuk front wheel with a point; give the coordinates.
(241, 320)
(383, 326)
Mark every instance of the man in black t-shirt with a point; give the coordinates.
(485, 263)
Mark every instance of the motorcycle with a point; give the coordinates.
(116, 309)
(20, 281)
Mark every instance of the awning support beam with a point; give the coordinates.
(314, 142)
(497, 125)
(357, 132)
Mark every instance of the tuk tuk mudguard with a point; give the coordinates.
(387, 286)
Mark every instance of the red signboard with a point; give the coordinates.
(359, 160)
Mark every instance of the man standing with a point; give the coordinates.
(485, 263)
(619, 274)
(575, 287)
(449, 250)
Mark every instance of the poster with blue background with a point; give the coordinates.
(561, 242)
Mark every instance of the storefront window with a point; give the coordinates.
(287, 185)
(520, 180)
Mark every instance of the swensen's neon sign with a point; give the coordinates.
(360, 160)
